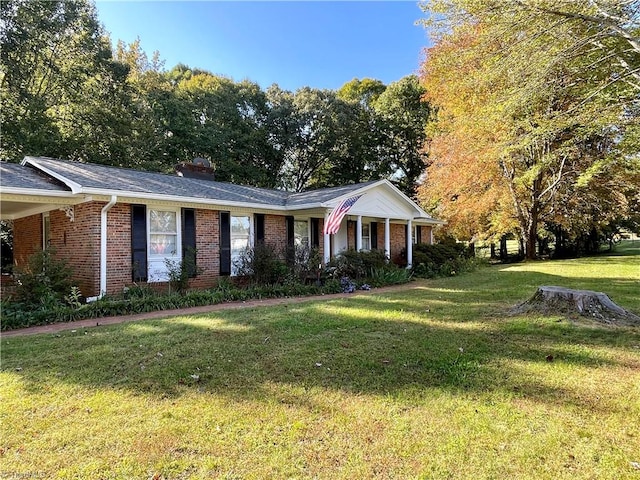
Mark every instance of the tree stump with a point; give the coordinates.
(594, 305)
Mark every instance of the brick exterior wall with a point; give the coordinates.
(78, 242)
(425, 233)
(397, 244)
(27, 235)
(351, 235)
(207, 248)
(321, 237)
(119, 265)
(275, 232)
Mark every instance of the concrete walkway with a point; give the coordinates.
(97, 322)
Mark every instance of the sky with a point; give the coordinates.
(320, 44)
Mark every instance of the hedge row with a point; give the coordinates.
(17, 315)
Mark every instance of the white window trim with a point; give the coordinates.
(366, 248)
(308, 221)
(154, 259)
(178, 252)
(414, 238)
(251, 234)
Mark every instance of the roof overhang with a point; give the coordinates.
(406, 209)
(18, 203)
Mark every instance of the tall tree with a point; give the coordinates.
(313, 133)
(403, 113)
(365, 91)
(61, 92)
(545, 114)
(225, 122)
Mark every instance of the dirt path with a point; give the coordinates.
(95, 322)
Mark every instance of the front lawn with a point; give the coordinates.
(433, 380)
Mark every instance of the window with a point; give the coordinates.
(164, 243)
(417, 234)
(301, 233)
(46, 231)
(163, 233)
(240, 240)
(366, 237)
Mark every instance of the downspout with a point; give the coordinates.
(103, 246)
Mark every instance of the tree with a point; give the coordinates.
(227, 123)
(545, 115)
(151, 96)
(313, 133)
(403, 114)
(365, 91)
(61, 92)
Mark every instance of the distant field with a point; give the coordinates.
(432, 381)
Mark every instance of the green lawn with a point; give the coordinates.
(431, 381)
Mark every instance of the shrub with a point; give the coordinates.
(180, 271)
(264, 264)
(389, 276)
(143, 299)
(359, 265)
(44, 280)
(138, 291)
(442, 260)
(307, 263)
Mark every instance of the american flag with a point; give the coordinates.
(332, 225)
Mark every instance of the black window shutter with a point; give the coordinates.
(418, 234)
(225, 243)
(259, 221)
(315, 233)
(138, 243)
(189, 240)
(290, 232)
(373, 235)
(291, 241)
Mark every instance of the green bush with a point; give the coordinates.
(306, 263)
(381, 277)
(442, 260)
(359, 265)
(143, 299)
(44, 281)
(264, 264)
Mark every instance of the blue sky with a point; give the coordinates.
(321, 44)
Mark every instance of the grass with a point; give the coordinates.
(433, 380)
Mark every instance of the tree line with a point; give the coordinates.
(523, 121)
(67, 93)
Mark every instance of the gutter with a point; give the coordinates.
(103, 248)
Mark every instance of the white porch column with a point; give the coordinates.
(359, 233)
(409, 243)
(387, 238)
(326, 242)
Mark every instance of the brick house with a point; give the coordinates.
(117, 226)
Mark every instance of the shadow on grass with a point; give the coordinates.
(431, 336)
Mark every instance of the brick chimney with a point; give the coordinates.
(200, 168)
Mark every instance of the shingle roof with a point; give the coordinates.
(114, 179)
(17, 176)
(324, 194)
